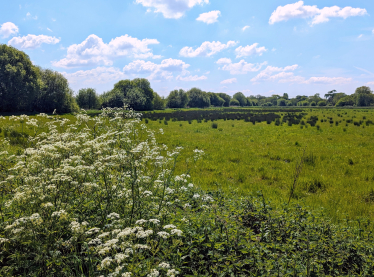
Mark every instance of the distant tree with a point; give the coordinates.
(348, 100)
(225, 97)
(363, 90)
(112, 99)
(137, 90)
(88, 99)
(281, 102)
(234, 102)
(177, 99)
(158, 102)
(285, 96)
(241, 98)
(198, 98)
(322, 103)
(19, 80)
(313, 104)
(249, 101)
(215, 99)
(54, 93)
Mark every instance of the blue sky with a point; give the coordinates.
(256, 47)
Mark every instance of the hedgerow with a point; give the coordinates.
(99, 197)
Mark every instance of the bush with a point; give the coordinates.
(234, 102)
(214, 125)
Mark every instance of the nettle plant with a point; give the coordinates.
(94, 196)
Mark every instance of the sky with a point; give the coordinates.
(256, 47)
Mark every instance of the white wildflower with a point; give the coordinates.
(164, 235)
(190, 185)
(3, 240)
(106, 262)
(170, 226)
(196, 195)
(154, 221)
(140, 221)
(172, 273)
(164, 265)
(176, 232)
(144, 234)
(113, 216)
(126, 274)
(120, 257)
(153, 273)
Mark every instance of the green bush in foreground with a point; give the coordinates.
(99, 197)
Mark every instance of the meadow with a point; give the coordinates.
(334, 147)
(237, 192)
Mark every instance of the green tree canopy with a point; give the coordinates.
(88, 99)
(241, 98)
(19, 80)
(137, 93)
(158, 102)
(225, 97)
(215, 99)
(198, 98)
(177, 99)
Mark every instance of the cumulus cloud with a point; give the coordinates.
(285, 75)
(209, 17)
(245, 27)
(370, 83)
(162, 71)
(7, 29)
(269, 73)
(171, 8)
(249, 50)
(32, 41)
(229, 81)
(206, 49)
(94, 51)
(241, 67)
(299, 10)
(99, 75)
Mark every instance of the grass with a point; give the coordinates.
(101, 198)
(337, 168)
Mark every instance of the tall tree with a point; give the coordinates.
(54, 93)
(177, 99)
(225, 97)
(198, 98)
(19, 80)
(88, 99)
(241, 98)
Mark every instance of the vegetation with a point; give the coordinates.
(25, 87)
(98, 196)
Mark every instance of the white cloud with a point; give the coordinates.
(49, 30)
(299, 10)
(328, 80)
(245, 28)
(285, 75)
(370, 83)
(170, 8)
(94, 51)
(268, 73)
(209, 17)
(241, 67)
(373, 31)
(229, 81)
(32, 41)
(360, 36)
(249, 50)
(7, 29)
(28, 16)
(162, 71)
(99, 75)
(206, 49)
(192, 78)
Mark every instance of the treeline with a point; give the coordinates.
(28, 88)
(25, 87)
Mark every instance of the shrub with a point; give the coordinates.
(214, 125)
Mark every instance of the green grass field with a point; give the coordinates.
(337, 170)
(337, 165)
